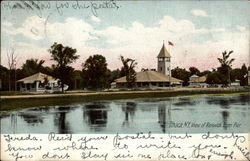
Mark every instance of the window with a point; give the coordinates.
(167, 59)
(161, 59)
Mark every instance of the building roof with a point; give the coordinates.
(194, 76)
(199, 79)
(163, 53)
(36, 77)
(150, 76)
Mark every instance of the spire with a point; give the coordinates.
(163, 53)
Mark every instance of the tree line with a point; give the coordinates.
(224, 74)
(96, 75)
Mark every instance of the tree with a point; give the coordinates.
(12, 62)
(206, 72)
(95, 72)
(4, 78)
(32, 66)
(128, 67)
(77, 79)
(194, 70)
(181, 74)
(64, 56)
(114, 75)
(214, 78)
(226, 66)
(240, 74)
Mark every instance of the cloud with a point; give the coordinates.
(240, 28)
(137, 41)
(72, 31)
(95, 19)
(198, 12)
(32, 27)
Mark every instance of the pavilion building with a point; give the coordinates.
(40, 82)
(153, 79)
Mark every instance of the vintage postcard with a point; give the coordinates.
(125, 80)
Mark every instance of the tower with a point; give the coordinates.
(164, 61)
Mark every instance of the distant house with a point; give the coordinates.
(148, 79)
(235, 83)
(196, 81)
(39, 82)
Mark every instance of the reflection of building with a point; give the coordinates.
(225, 115)
(196, 81)
(39, 82)
(151, 78)
(32, 118)
(129, 110)
(60, 120)
(164, 115)
(96, 114)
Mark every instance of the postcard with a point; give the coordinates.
(125, 80)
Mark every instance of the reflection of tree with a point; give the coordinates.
(225, 115)
(243, 99)
(96, 115)
(223, 102)
(129, 110)
(31, 118)
(60, 120)
(185, 101)
(13, 119)
(164, 110)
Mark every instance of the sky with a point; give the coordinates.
(200, 31)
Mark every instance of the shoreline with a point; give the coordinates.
(9, 103)
(95, 93)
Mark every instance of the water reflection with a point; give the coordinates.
(32, 119)
(164, 115)
(244, 99)
(134, 115)
(185, 101)
(13, 118)
(226, 102)
(60, 120)
(225, 115)
(129, 109)
(96, 115)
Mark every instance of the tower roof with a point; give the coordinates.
(163, 53)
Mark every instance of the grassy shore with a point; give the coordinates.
(24, 101)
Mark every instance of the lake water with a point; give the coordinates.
(192, 114)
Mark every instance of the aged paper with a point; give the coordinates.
(189, 99)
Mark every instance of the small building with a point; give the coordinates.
(39, 82)
(198, 82)
(235, 83)
(149, 79)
